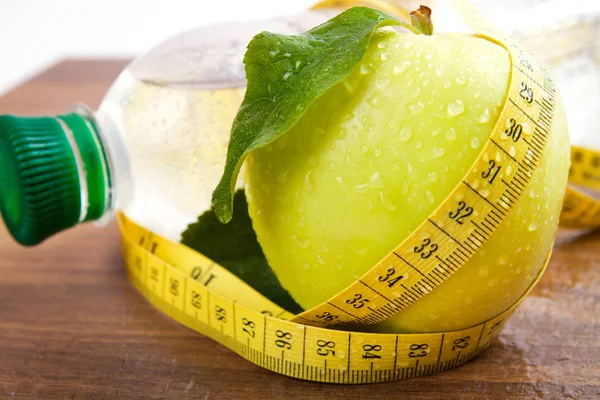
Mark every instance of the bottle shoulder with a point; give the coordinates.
(211, 57)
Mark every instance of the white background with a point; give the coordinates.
(37, 33)
(34, 34)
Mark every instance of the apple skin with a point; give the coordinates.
(376, 154)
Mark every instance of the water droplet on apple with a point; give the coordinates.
(283, 176)
(381, 44)
(401, 67)
(484, 270)
(374, 100)
(332, 166)
(461, 80)
(377, 152)
(416, 93)
(439, 72)
(533, 226)
(450, 134)
(416, 108)
(348, 86)
(308, 182)
(302, 222)
(385, 203)
(405, 133)
(419, 145)
(404, 187)
(438, 152)
(366, 69)
(384, 56)
(455, 108)
(429, 197)
(493, 282)
(432, 177)
(484, 117)
(447, 84)
(364, 149)
(408, 44)
(526, 128)
(382, 83)
(373, 182)
(301, 242)
(341, 183)
(475, 143)
(512, 151)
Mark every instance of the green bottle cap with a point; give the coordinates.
(53, 175)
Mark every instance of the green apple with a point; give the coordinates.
(376, 154)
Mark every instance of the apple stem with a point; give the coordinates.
(421, 20)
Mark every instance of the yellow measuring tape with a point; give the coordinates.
(210, 300)
(207, 298)
(581, 210)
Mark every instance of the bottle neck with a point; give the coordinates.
(92, 156)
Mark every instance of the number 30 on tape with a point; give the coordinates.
(208, 299)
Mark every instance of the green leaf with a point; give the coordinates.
(235, 247)
(286, 74)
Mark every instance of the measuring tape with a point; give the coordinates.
(580, 209)
(207, 298)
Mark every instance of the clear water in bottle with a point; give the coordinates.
(176, 139)
(173, 109)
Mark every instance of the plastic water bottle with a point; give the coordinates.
(154, 149)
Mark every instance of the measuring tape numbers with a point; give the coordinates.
(205, 297)
(208, 299)
(467, 218)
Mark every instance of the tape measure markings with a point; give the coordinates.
(581, 210)
(585, 167)
(280, 345)
(407, 274)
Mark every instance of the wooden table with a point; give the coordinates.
(72, 327)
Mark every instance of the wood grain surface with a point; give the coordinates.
(72, 327)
